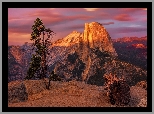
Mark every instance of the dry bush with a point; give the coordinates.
(117, 90)
(142, 84)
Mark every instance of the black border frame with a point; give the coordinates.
(6, 5)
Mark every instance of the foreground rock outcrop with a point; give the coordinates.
(17, 92)
(70, 94)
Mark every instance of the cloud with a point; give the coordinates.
(132, 9)
(91, 9)
(121, 14)
(127, 32)
(69, 10)
(54, 18)
(18, 38)
(75, 27)
(104, 16)
(144, 20)
(123, 17)
(14, 19)
(20, 29)
(49, 18)
(144, 8)
(134, 25)
(107, 23)
(132, 29)
(65, 20)
(52, 8)
(127, 29)
(81, 26)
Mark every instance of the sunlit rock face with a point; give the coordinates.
(69, 40)
(96, 36)
(94, 47)
(138, 46)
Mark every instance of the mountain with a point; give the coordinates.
(69, 40)
(83, 56)
(94, 55)
(130, 39)
(132, 50)
(93, 48)
(18, 61)
(14, 63)
(139, 46)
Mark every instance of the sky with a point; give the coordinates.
(119, 22)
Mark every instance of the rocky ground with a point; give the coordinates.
(32, 93)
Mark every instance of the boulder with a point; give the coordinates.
(17, 92)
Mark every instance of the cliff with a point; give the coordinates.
(92, 49)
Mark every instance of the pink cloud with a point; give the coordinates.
(132, 9)
(105, 16)
(18, 38)
(81, 26)
(144, 19)
(127, 29)
(20, 29)
(69, 9)
(91, 9)
(123, 17)
(51, 17)
(65, 20)
(74, 27)
(131, 29)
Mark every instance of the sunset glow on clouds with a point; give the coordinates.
(91, 9)
(119, 22)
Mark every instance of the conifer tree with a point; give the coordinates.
(53, 77)
(38, 65)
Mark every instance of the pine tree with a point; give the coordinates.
(38, 65)
(53, 77)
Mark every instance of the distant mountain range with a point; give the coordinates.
(132, 50)
(131, 39)
(87, 57)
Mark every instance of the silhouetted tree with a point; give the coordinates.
(38, 65)
(53, 77)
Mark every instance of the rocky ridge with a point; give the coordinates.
(69, 40)
(130, 39)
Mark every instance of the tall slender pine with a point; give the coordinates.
(38, 65)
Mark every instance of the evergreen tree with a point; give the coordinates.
(53, 77)
(38, 65)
